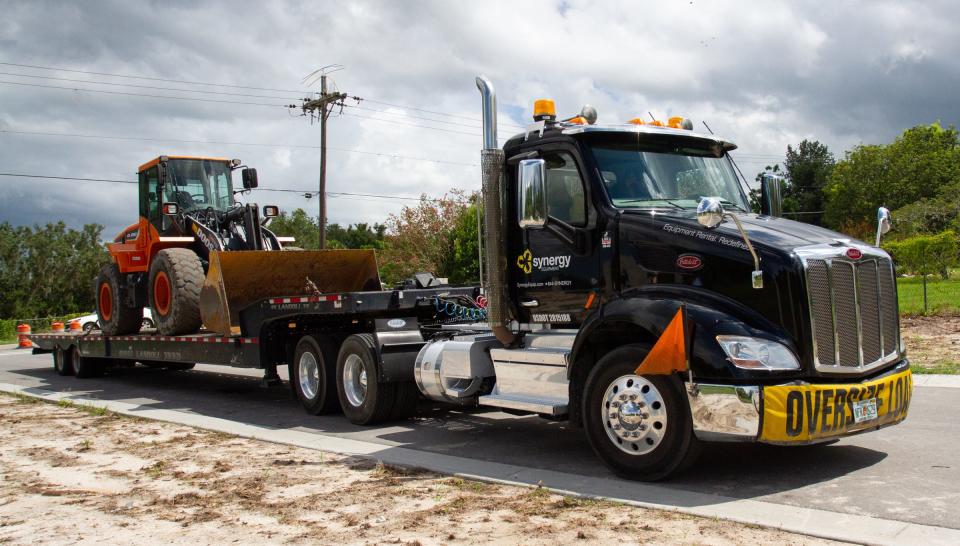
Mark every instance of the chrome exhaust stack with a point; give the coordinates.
(491, 166)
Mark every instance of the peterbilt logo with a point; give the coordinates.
(689, 262)
(854, 253)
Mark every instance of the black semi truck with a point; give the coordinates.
(627, 289)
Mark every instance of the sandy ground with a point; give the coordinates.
(933, 343)
(81, 475)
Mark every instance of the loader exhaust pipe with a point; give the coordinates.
(491, 165)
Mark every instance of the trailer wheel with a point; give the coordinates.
(176, 277)
(364, 399)
(86, 366)
(116, 318)
(61, 364)
(313, 374)
(638, 425)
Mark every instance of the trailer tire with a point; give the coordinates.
(618, 404)
(116, 318)
(86, 366)
(313, 373)
(176, 277)
(364, 398)
(60, 362)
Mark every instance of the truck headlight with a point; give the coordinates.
(753, 353)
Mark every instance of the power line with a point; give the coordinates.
(149, 78)
(189, 82)
(197, 99)
(229, 143)
(72, 80)
(20, 175)
(416, 125)
(308, 193)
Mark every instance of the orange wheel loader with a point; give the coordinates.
(196, 257)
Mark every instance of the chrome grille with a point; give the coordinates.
(853, 310)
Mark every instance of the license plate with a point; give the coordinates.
(865, 410)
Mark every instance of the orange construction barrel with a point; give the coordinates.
(75, 326)
(23, 335)
(57, 327)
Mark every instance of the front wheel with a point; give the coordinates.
(639, 425)
(176, 277)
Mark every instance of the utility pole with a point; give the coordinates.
(323, 105)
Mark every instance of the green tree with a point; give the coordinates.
(433, 237)
(299, 225)
(921, 163)
(806, 170)
(49, 270)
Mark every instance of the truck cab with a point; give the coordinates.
(633, 292)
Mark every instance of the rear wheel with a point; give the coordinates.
(364, 399)
(176, 276)
(639, 425)
(60, 362)
(85, 366)
(116, 318)
(313, 375)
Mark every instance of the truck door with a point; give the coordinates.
(150, 197)
(556, 265)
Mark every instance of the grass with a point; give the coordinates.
(943, 297)
(945, 368)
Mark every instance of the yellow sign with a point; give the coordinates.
(800, 413)
(525, 261)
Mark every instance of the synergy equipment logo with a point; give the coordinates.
(525, 261)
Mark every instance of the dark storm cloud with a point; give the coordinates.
(766, 75)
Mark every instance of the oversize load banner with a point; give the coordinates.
(800, 413)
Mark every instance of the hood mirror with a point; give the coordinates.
(249, 177)
(709, 212)
(883, 223)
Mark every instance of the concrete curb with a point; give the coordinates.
(807, 521)
(935, 380)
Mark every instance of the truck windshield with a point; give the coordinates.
(199, 184)
(671, 176)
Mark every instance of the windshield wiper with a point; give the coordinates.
(726, 202)
(667, 201)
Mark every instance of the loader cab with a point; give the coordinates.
(191, 183)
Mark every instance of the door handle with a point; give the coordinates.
(530, 303)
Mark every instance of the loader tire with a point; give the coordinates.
(176, 276)
(115, 316)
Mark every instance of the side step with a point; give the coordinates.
(532, 379)
(543, 406)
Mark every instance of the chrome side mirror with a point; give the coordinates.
(709, 212)
(883, 223)
(532, 194)
(771, 203)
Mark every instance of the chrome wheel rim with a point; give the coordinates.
(634, 414)
(354, 380)
(309, 374)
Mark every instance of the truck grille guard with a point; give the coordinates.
(851, 292)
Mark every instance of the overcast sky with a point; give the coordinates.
(764, 75)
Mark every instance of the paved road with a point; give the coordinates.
(910, 472)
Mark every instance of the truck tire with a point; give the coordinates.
(313, 373)
(116, 318)
(176, 277)
(61, 364)
(639, 426)
(85, 366)
(364, 399)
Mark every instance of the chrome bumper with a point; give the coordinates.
(725, 413)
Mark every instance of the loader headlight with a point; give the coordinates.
(753, 353)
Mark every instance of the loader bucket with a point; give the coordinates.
(236, 279)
